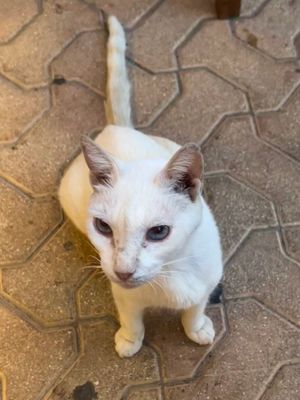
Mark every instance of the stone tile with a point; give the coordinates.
(12, 20)
(250, 7)
(100, 365)
(30, 359)
(286, 384)
(282, 127)
(164, 331)
(19, 108)
(76, 111)
(273, 29)
(84, 60)
(45, 286)
(151, 94)
(154, 394)
(292, 239)
(260, 269)
(237, 209)
(214, 47)
(128, 12)
(204, 100)
(95, 298)
(235, 370)
(45, 38)
(234, 147)
(153, 42)
(24, 223)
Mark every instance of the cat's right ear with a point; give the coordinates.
(103, 169)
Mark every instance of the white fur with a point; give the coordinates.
(179, 272)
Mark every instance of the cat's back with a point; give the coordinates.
(127, 144)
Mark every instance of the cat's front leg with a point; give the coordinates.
(197, 326)
(129, 337)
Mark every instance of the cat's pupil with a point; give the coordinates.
(157, 233)
(102, 227)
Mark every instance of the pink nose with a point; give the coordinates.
(124, 276)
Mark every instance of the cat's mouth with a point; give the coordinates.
(130, 284)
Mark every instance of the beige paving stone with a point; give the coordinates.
(14, 15)
(257, 341)
(35, 161)
(237, 209)
(286, 384)
(204, 100)
(282, 127)
(95, 298)
(150, 94)
(19, 108)
(260, 269)
(292, 239)
(45, 286)
(145, 395)
(165, 332)
(24, 222)
(128, 12)
(84, 60)
(235, 148)
(153, 42)
(214, 47)
(32, 360)
(27, 57)
(273, 29)
(101, 365)
(249, 7)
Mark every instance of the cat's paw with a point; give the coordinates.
(204, 335)
(124, 347)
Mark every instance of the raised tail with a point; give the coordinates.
(117, 106)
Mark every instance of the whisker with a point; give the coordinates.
(177, 260)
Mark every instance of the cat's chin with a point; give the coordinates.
(129, 285)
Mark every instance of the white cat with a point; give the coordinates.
(138, 198)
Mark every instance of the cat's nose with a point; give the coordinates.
(124, 276)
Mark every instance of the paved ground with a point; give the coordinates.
(233, 88)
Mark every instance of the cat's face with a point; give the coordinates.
(141, 213)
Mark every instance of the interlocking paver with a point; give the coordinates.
(234, 147)
(35, 161)
(151, 94)
(282, 127)
(237, 209)
(164, 331)
(285, 385)
(95, 298)
(18, 108)
(26, 59)
(256, 342)
(90, 47)
(213, 46)
(36, 217)
(32, 360)
(129, 12)
(100, 365)
(12, 20)
(187, 118)
(273, 29)
(259, 268)
(292, 239)
(145, 395)
(45, 286)
(153, 42)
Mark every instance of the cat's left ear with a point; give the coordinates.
(103, 169)
(184, 171)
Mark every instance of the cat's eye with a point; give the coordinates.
(102, 227)
(157, 233)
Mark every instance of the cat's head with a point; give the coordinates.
(142, 213)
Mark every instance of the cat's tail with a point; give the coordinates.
(117, 106)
